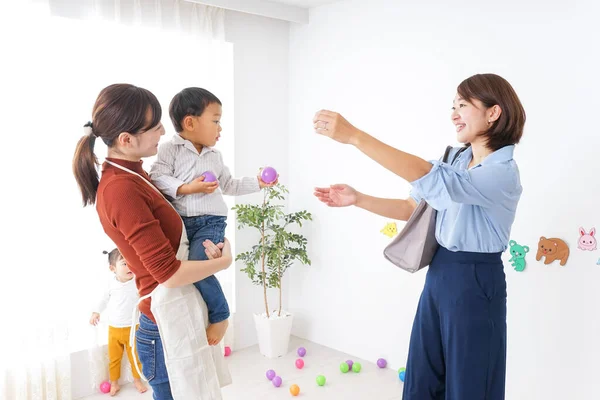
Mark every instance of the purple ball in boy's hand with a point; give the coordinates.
(209, 176)
(268, 175)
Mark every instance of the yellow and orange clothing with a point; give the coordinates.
(118, 341)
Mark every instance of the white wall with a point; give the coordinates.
(392, 69)
(261, 51)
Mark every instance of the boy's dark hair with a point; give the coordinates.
(113, 256)
(190, 101)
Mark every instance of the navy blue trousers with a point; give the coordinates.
(458, 341)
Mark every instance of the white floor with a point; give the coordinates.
(248, 370)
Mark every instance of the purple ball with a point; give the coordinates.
(271, 374)
(381, 363)
(209, 176)
(276, 381)
(350, 363)
(268, 175)
(301, 351)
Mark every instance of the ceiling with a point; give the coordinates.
(305, 3)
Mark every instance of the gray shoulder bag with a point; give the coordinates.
(414, 247)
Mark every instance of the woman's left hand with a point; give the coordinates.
(333, 125)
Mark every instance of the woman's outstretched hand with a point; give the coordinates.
(333, 125)
(339, 195)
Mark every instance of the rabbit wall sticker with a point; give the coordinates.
(587, 240)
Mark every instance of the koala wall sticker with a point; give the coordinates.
(518, 253)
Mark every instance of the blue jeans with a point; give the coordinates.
(150, 352)
(458, 341)
(199, 229)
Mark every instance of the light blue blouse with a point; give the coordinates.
(476, 207)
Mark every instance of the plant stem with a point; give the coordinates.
(279, 277)
(263, 256)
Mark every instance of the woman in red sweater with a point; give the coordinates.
(148, 232)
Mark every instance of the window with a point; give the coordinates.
(49, 84)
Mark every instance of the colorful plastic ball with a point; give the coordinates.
(294, 390)
(321, 380)
(299, 363)
(402, 375)
(349, 362)
(105, 387)
(356, 367)
(277, 381)
(344, 367)
(381, 363)
(209, 176)
(271, 374)
(268, 175)
(227, 351)
(301, 351)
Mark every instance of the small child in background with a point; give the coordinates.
(178, 174)
(119, 299)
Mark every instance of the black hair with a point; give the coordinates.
(113, 256)
(119, 108)
(190, 101)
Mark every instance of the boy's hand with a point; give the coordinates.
(95, 318)
(198, 186)
(264, 184)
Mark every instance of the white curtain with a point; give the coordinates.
(56, 56)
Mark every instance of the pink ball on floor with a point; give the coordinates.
(299, 363)
(227, 351)
(105, 387)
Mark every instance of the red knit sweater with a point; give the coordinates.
(142, 224)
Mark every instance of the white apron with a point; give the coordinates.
(196, 370)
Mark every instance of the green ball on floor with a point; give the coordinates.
(321, 380)
(356, 367)
(344, 367)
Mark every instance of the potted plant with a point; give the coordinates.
(268, 260)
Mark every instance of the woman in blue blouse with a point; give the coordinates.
(458, 341)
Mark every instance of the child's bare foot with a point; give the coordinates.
(139, 385)
(114, 387)
(215, 332)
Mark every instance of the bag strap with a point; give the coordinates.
(447, 153)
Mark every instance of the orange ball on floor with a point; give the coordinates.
(294, 390)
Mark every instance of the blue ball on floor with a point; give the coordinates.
(401, 375)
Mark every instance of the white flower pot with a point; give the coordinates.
(273, 333)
